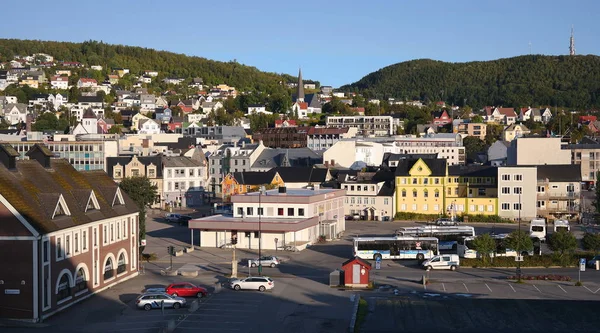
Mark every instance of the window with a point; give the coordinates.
(124, 229)
(386, 201)
(471, 208)
(105, 235)
(249, 211)
(541, 189)
(112, 233)
(425, 194)
(151, 173)
(67, 245)
(403, 207)
(359, 200)
(490, 208)
(135, 172)
(518, 177)
(414, 181)
(358, 188)
(403, 181)
(352, 200)
(80, 281)
(517, 190)
(64, 290)
(404, 193)
(351, 187)
(414, 207)
(456, 191)
(76, 242)
(481, 192)
(279, 211)
(46, 250)
(95, 237)
(122, 265)
(117, 173)
(108, 269)
(300, 211)
(541, 204)
(256, 234)
(425, 207)
(480, 208)
(436, 207)
(414, 193)
(261, 211)
(425, 181)
(517, 206)
(436, 194)
(449, 191)
(290, 211)
(240, 211)
(372, 201)
(506, 177)
(571, 188)
(505, 190)
(84, 240)
(505, 206)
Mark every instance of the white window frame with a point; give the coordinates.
(507, 205)
(57, 240)
(76, 242)
(105, 234)
(507, 188)
(69, 247)
(490, 208)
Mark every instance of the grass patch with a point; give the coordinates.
(361, 314)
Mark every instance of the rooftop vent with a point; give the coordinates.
(282, 190)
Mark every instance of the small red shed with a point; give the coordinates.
(356, 272)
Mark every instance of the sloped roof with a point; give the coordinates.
(473, 171)
(111, 162)
(179, 162)
(89, 114)
(270, 158)
(34, 192)
(301, 174)
(253, 177)
(508, 112)
(437, 166)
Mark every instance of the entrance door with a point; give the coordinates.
(355, 274)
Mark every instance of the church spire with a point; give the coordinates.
(572, 43)
(300, 92)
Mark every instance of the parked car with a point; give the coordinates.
(260, 283)
(446, 221)
(444, 261)
(592, 262)
(186, 289)
(176, 218)
(265, 261)
(151, 301)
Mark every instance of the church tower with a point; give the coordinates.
(300, 91)
(572, 43)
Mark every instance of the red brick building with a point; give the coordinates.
(64, 235)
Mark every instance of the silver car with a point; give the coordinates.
(260, 283)
(151, 301)
(265, 261)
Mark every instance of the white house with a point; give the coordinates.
(183, 180)
(289, 218)
(209, 107)
(151, 73)
(57, 100)
(86, 83)
(148, 126)
(15, 113)
(60, 82)
(96, 67)
(88, 124)
(257, 108)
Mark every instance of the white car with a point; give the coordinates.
(446, 221)
(443, 261)
(265, 261)
(260, 283)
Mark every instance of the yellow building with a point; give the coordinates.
(249, 181)
(429, 186)
(29, 81)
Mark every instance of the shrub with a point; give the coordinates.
(149, 257)
(591, 242)
(322, 239)
(549, 277)
(545, 260)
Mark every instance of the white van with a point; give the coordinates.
(561, 225)
(537, 229)
(442, 261)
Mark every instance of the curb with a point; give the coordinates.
(352, 325)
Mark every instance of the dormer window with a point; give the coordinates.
(92, 203)
(61, 208)
(118, 199)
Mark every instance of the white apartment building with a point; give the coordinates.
(370, 151)
(537, 151)
(183, 180)
(288, 218)
(321, 138)
(517, 192)
(367, 125)
(369, 196)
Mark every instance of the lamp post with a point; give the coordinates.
(519, 243)
(260, 193)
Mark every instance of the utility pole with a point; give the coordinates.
(519, 242)
(260, 193)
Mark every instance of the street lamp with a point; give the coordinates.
(260, 193)
(519, 242)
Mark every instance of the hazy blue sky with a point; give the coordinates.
(336, 42)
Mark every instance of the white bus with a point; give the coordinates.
(449, 237)
(561, 225)
(395, 247)
(537, 229)
(467, 250)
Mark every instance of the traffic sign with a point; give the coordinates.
(378, 259)
(582, 262)
(378, 264)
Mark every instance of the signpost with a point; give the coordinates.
(378, 262)
(582, 262)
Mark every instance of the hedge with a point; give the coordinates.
(544, 260)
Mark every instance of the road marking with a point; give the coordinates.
(490, 289)
(212, 329)
(596, 290)
(536, 288)
(466, 287)
(589, 289)
(561, 288)
(443, 286)
(511, 287)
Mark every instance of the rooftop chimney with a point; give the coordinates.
(40, 153)
(317, 187)
(282, 190)
(8, 156)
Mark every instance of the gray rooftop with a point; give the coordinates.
(295, 192)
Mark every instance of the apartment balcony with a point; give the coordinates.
(559, 195)
(559, 210)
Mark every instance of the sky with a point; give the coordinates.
(334, 42)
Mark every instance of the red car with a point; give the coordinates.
(186, 289)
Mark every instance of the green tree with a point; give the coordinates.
(493, 133)
(591, 242)
(477, 119)
(116, 129)
(473, 145)
(484, 245)
(4, 124)
(519, 241)
(143, 193)
(562, 241)
(48, 121)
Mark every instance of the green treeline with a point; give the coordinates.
(531, 80)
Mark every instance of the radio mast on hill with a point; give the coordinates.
(572, 43)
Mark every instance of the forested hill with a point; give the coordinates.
(532, 80)
(138, 59)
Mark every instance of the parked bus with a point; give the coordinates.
(537, 229)
(561, 225)
(449, 237)
(395, 247)
(467, 250)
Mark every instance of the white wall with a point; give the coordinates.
(341, 152)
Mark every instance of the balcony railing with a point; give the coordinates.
(558, 195)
